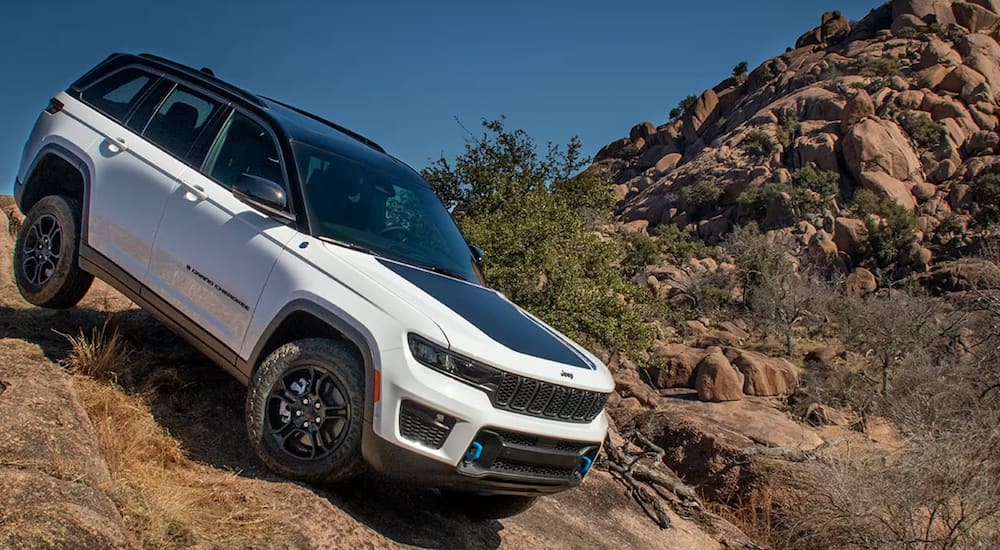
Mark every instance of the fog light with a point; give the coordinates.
(475, 451)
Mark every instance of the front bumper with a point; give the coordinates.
(430, 429)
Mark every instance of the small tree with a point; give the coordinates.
(684, 105)
(740, 72)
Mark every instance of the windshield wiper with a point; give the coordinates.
(348, 244)
(445, 271)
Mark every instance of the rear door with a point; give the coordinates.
(213, 252)
(132, 179)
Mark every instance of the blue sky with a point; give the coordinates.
(401, 71)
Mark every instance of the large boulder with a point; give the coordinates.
(981, 52)
(704, 111)
(859, 107)
(764, 376)
(928, 11)
(861, 282)
(832, 30)
(817, 149)
(961, 276)
(975, 18)
(717, 380)
(880, 157)
(643, 130)
(848, 234)
(675, 365)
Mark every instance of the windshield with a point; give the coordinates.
(390, 212)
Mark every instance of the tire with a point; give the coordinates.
(47, 253)
(296, 384)
(488, 506)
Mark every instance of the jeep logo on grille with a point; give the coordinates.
(565, 374)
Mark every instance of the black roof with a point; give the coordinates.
(295, 121)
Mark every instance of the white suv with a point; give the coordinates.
(315, 268)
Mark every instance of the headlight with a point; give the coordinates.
(454, 365)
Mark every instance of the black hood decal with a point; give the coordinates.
(495, 316)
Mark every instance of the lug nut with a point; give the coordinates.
(317, 405)
(298, 413)
(305, 424)
(305, 401)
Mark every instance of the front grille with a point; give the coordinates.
(536, 398)
(422, 425)
(533, 469)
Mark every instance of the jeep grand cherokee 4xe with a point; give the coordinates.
(315, 268)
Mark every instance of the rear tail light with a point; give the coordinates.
(54, 106)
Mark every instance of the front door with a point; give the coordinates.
(213, 252)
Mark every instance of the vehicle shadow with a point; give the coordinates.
(202, 406)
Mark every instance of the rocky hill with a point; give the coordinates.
(903, 103)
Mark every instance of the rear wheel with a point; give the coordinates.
(488, 506)
(46, 255)
(305, 411)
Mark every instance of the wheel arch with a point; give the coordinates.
(57, 171)
(301, 319)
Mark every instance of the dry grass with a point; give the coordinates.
(753, 515)
(99, 353)
(167, 500)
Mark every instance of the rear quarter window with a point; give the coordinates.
(116, 94)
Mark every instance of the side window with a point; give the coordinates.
(115, 94)
(243, 147)
(180, 119)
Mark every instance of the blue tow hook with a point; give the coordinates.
(475, 451)
(585, 465)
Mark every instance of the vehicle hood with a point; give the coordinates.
(483, 324)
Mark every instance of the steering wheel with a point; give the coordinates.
(394, 232)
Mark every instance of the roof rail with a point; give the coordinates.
(333, 125)
(208, 77)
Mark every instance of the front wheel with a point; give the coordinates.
(46, 255)
(305, 411)
(488, 506)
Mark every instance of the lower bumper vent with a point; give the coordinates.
(425, 426)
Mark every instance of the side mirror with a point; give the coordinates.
(261, 192)
(478, 255)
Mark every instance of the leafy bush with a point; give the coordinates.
(681, 245)
(525, 210)
(685, 104)
(758, 144)
(740, 71)
(787, 130)
(702, 196)
(875, 66)
(985, 193)
(823, 182)
(778, 204)
(630, 151)
(889, 226)
(641, 250)
(924, 132)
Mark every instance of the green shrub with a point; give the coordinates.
(823, 182)
(758, 144)
(985, 194)
(630, 151)
(889, 227)
(787, 130)
(740, 72)
(925, 133)
(641, 250)
(702, 196)
(526, 211)
(684, 105)
(875, 66)
(779, 204)
(681, 245)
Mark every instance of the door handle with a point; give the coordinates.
(116, 145)
(195, 190)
